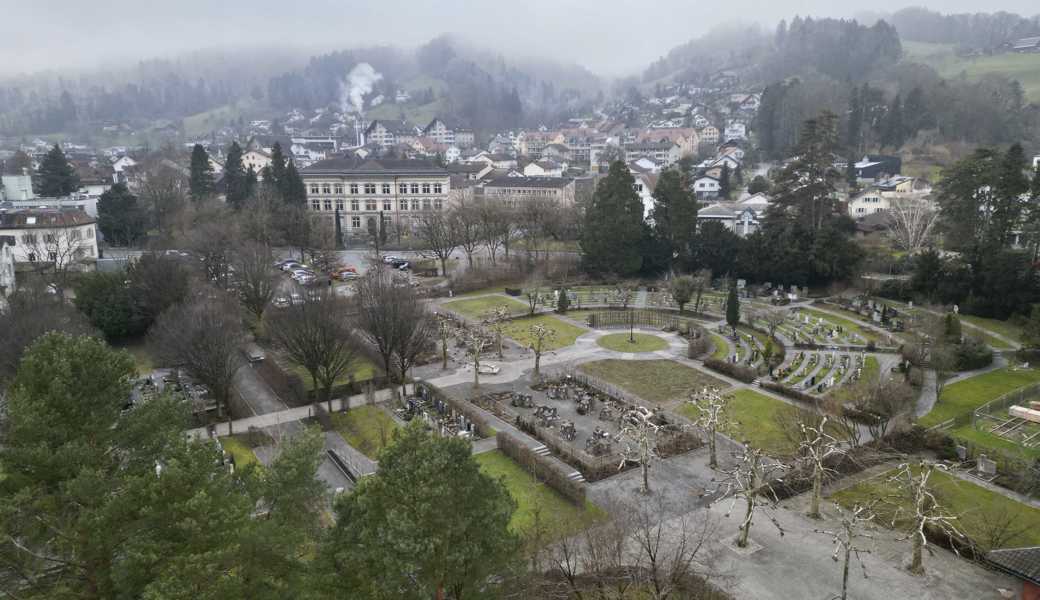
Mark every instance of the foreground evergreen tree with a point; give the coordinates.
(121, 218)
(613, 231)
(733, 307)
(277, 166)
(100, 502)
(235, 177)
(293, 190)
(428, 524)
(675, 216)
(56, 177)
(200, 182)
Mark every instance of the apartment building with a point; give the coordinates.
(362, 190)
(49, 235)
(517, 190)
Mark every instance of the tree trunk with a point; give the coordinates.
(845, 571)
(817, 487)
(476, 373)
(646, 477)
(537, 364)
(444, 266)
(745, 528)
(444, 352)
(713, 460)
(916, 563)
(499, 340)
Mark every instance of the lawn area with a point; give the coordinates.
(977, 509)
(984, 440)
(721, 347)
(1023, 67)
(477, 308)
(847, 324)
(965, 396)
(368, 429)
(752, 417)
(644, 342)
(239, 450)
(560, 516)
(656, 381)
(1003, 328)
(362, 370)
(519, 331)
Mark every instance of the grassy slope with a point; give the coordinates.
(518, 330)
(205, 122)
(560, 517)
(752, 417)
(974, 506)
(366, 428)
(1023, 67)
(965, 396)
(657, 381)
(241, 451)
(1003, 328)
(643, 342)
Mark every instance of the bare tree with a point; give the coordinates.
(772, 319)
(317, 336)
(468, 225)
(747, 481)
(477, 341)
(701, 283)
(57, 249)
(255, 277)
(638, 437)
(911, 223)
(165, 192)
(817, 447)
(495, 224)
(495, 320)
(259, 219)
(667, 550)
(203, 336)
(540, 337)
(388, 314)
(438, 233)
(711, 404)
(322, 244)
(853, 526)
(533, 292)
(212, 239)
(916, 501)
(681, 290)
(445, 324)
(415, 332)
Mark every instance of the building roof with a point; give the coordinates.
(381, 166)
(1026, 43)
(393, 126)
(717, 211)
(466, 167)
(43, 218)
(529, 182)
(1023, 563)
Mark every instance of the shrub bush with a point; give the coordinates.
(738, 372)
(971, 355)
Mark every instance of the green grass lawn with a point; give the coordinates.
(985, 441)
(559, 516)
(519, 331)
(362, 370)
(721, 347)
(656, 381)
(847, 324)
(965, 396)
(239, 450)
(1023, 67)
(368, 429)
(477, 308)
(644, 342)
(1003, 328)
(753, 417)
(977, 509)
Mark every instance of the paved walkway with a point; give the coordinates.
(929, 390)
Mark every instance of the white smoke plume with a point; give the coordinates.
(360, 81)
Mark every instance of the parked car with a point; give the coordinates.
(254, 353)
(404, 265)
(388, 259)
(295, 298)
(345, 275)
(290, 265)
(280, 302)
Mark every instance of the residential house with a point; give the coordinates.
(700, 121)
(1036, 162)
(903, 185)
(7, 276)
(684, 137)
(361, 190)
(544, 168)
(387, 133)
(16, 187)
(469, 171)
(742, 218)
(439, 131)
(706, 187)
(709, 134)
(1029, 44)
(122, 163)
(877, 167)
(557, 152)
(735, 131)
(65, 238)
(465, 138)
(257, 159)
(867, 203)
(644, 186)
(664, 151)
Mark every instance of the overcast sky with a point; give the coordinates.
(611, 37)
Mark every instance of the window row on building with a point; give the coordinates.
(371, 189)
(372, 205)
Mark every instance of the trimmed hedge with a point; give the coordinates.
(737, 372)
(542, 468)
(789, 392)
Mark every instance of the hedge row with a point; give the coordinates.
(542, 468)
(738, 372)
(789, 392)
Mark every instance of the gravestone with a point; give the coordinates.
(962, 452)
(986, 467)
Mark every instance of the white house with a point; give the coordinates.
(257, 159)
(1036, 162)
(706, 187)
(7, 282)
(16, 187)
(122, 163)
(742, 218)
(735, 131)
(867, 203)
(50, 235)
(644, 186)
(544, 168)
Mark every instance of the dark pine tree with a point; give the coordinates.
(725, 185)
(235, 176)
(294, 193)
(733, 307)
(56, 176)
(613, 230)
(277, 165)
(120, 218)
(200, 183)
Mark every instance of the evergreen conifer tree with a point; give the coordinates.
(200, 183)
(56, 177)
(613, 230)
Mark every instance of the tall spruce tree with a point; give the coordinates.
(121, 219)
(675, 216)
(725, 182)
(613, 231)
(277, 166)
(294, 192)
(249, 184)
(200, 183)
(235, 177)
(733, 307)
(1012, 184)
(894, 133)
(56, 177)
